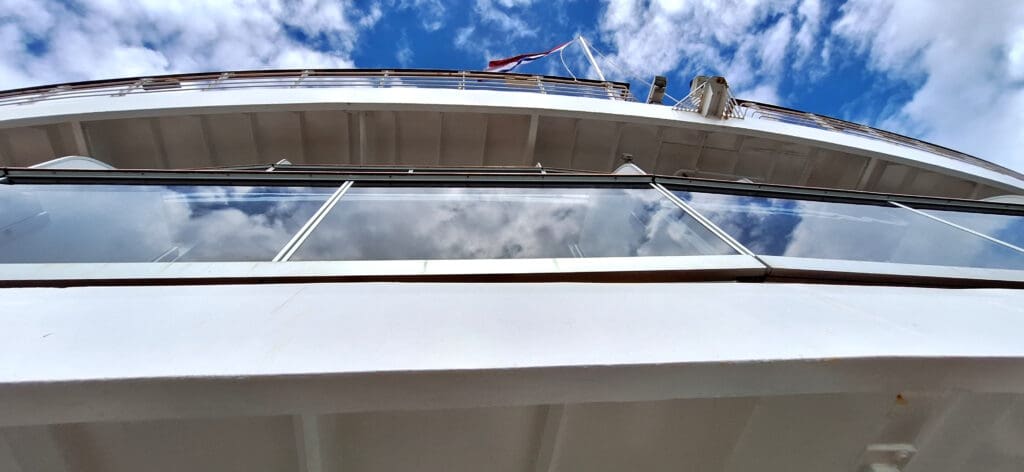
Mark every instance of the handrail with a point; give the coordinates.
(321, 78)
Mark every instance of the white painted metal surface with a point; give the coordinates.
(487, 326)
(696, 266)
(784, 266)
(710, 376)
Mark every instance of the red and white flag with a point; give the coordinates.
(509, 63)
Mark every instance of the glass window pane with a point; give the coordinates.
(398, 223)
(147, 223)
(1006, 228)
(861, 232)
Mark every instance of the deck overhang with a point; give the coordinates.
(445, 122)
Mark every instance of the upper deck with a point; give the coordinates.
(455, 119)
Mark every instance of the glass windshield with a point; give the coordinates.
(860, 232)
(1006, 228)
(150, 223)
(377, 223)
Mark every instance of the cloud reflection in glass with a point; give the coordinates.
(420, 223)
(859, 232)
(148, 223)
(1006, 228)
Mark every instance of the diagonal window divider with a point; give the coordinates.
(303, 233)
(962, 228)
(704, 221)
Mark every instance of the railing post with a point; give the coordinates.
(42, 95)
(133, 86)
(298, 81)
(824, 124)
(217, 81)
(611, 91)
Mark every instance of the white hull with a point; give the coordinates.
(712, 376)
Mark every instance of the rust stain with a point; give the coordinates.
(900, 400)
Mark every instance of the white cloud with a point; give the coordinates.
(764, 93)
(371, 17)
(432, 12)
(404, 55)
(810, 18)
(776, 42)
(967, 61)
(506, 21)
(46, 41)
(499, 21)
(515, 3)
(750, 42)
(462, 36)
(964, 62)
(1015, 55)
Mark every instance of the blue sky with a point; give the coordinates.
(405, 40)
(946, 71)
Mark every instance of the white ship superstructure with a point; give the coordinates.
(325, 270)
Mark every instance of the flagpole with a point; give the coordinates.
(586, 50)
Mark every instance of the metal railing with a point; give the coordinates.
(692, 100)
(456, 80)
(787, 115)
(695, 99)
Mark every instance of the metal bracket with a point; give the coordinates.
(887, 457)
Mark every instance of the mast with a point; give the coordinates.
(586, 50)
